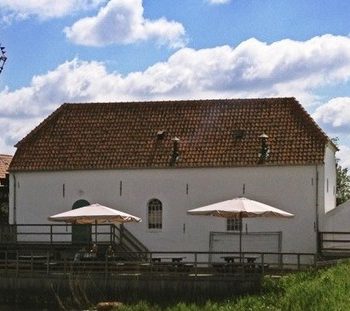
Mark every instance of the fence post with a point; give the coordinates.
(298, 260)
(262, 263)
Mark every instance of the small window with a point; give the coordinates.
(155, 214)
(234, 224)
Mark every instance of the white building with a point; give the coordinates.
(125, 155)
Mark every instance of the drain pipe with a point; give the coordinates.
(14, 199)
(318, 246)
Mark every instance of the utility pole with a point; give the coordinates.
(3, 58)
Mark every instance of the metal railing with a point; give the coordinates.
(184, 264)
(62, 234)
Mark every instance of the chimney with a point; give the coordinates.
(264, 150)
(175, 156)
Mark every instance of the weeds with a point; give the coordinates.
(321, 290)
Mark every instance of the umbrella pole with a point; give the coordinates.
(240, 237)
(96, 231)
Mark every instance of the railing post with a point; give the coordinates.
(195, 264)
(320, 242)
(298, 260)
(6, 258)
(280, 259)
(106, 266)
(315, 260)
(151, 261)
(31, 262)
(121, 234)
(64, 265)
(17, 263)
(51, 234)
(47, 262)
(262, 263)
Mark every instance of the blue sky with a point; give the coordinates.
(120, 50)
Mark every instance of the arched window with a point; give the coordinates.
(155, 214)
(80, 203)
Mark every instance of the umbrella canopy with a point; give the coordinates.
(94, 214)
(239, 208)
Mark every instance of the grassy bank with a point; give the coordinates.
(323, 290)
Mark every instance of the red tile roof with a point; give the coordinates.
(5, 160)
(124, 135)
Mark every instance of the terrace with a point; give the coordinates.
(38, 256)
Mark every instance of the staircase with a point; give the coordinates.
(127, 244)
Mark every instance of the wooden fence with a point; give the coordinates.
(334, 242)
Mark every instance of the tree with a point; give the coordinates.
(3, 57)
(343, 184)
(343, 179)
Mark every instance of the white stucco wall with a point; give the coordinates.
(338, 219)
(293, 189)
(329, 179)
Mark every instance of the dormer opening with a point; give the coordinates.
(161, 134)
(238, 134)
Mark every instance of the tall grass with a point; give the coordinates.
(323, 290)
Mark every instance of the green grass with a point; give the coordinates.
(323, 290)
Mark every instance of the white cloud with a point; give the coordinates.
(219, 1)
(44, 8)
(122, 22)
(252, 69)
(335, 115)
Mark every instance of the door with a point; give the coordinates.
(81, 234)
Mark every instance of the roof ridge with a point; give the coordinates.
(179, 101)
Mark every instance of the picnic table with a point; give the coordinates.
(246, 258)
(175, 259)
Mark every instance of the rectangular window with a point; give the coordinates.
(234, 224)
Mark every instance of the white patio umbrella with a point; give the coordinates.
(94, 214)
(239, 208)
